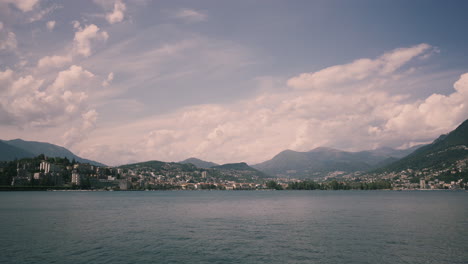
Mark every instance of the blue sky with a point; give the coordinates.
(229, 81)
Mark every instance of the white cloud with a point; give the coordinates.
(190, 15)
(75, 75)
(23, 5)
(50, 25)
(6, 76)
(41, 13)
(436, 113)
(7, 39)
(78, 133)
(55, 61)
(76, 24)
(109, 79)
(117, 15)
(359, 70)
(85, 36)
(31, 102)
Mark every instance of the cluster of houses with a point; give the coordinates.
(76, 175)
(436, 184)
(428, 178)
(201, 179)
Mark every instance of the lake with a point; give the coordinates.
(234, 227)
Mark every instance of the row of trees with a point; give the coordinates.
(335, 185)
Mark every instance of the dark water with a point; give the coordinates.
(234, 227)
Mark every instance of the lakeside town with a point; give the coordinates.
(62, 174)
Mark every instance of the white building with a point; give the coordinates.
(47, 167)
(37, 176)
(76, 178)
(422, 184)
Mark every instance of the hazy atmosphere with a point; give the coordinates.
(230, 81)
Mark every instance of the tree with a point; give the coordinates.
(274, 185)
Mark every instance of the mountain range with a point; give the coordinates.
(322, 161)
(18, 149)
(444, 151)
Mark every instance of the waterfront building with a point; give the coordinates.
(76, 178)
(422, 184)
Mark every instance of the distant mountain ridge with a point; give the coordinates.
(9, 152)
(18, 149)
(242, 167)
(321, 161)
(234, 166)
(199, 163)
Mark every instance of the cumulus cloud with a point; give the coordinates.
(30, 102)
(434, 113)
(117, 15)
(190, 15)
(7, 39)
(55, 61)
(346, 106)
(78, 133)
(23, 5)
(50, 25)
(76, 24)
(5, 77)
(74, 76)
(84, 38)
(108, 80)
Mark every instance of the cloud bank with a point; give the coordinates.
(347, 106)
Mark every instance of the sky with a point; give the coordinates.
(120, 81)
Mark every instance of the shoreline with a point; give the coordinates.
(65, 189)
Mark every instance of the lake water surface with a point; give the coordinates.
(234, 227)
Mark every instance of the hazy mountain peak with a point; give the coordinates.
(234, 166)
(325, 149)
(199, 163)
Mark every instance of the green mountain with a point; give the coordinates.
(199, 163)
(322, 161)
(241, 170)
(18, 148)
(442, 153)
(235, 166)
(161, 167)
